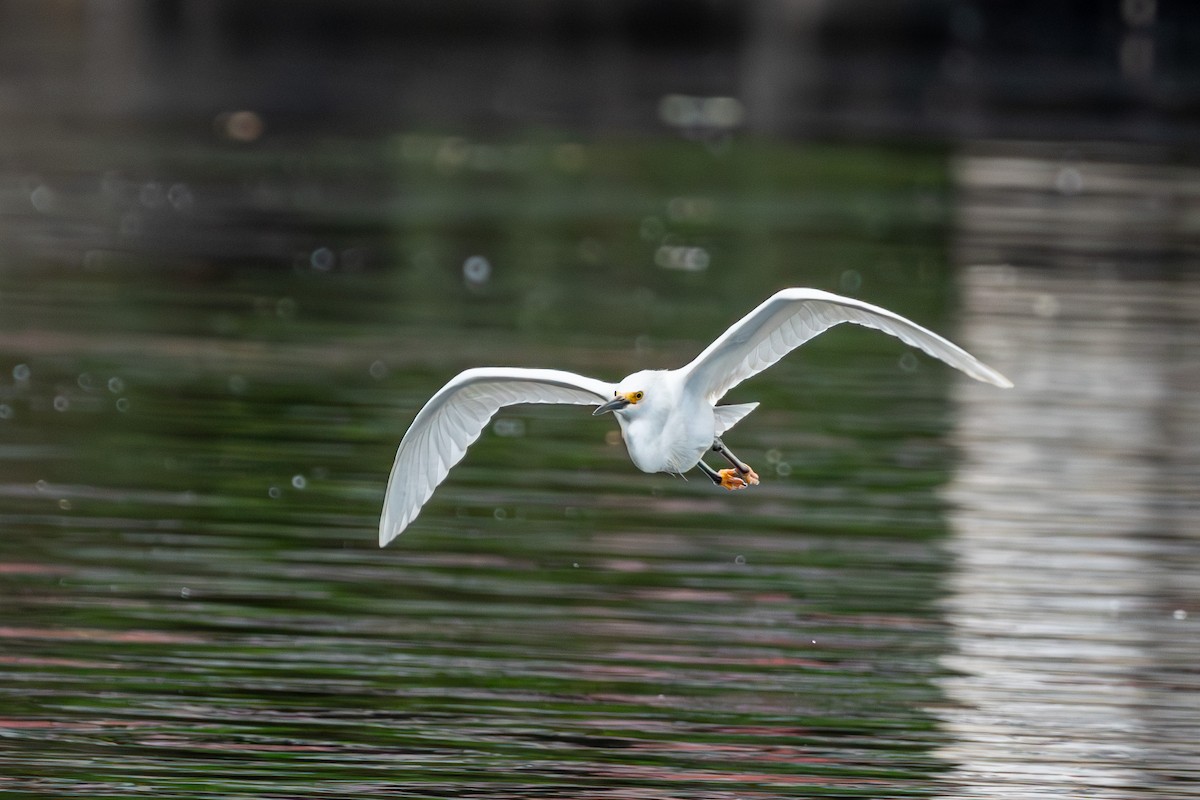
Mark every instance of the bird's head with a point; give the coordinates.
(631, 393)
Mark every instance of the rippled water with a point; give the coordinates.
(938, 590)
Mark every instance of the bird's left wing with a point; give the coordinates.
(791, 317)
(455, 416)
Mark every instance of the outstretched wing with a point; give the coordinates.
(455, 416)
(791, 317)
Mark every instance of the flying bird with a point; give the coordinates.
(669, 419)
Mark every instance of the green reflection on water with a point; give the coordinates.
(193, 464)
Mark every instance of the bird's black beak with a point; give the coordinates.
(611, 405)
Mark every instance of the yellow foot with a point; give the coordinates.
(731, 479)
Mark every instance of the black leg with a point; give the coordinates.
(710, 472)
(741, 466)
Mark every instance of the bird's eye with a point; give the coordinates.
(638, 396)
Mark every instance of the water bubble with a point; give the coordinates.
(1139, 12)
(180, 197)
(240, 126)
(686, 111)
(1046, 305)
(21, 372)
(687, 259)
(41, 486)
(677, 109)
(677, 209)
(452, 153)
(909, 363)
(783, 469)
(477, 270)
(690, 209)
(500, 513)
(1137, 55)
(773, 456)
(299, 482)
(1069, 181)
(1180, 614)
(85, 381)
(122, 404)
(322, 259)
(116, 385)
(185, 592)
(42, 199)
(64, 504)
(6, 411)
(723, 112)
(61, 403)
(152, 195)
(378, 370)
(274, 493)
(850, 280)
(509, 428)
(739, 560)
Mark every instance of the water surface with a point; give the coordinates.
(210, 353)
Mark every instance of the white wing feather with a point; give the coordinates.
(791, 317)
(455, 416)
(728, 416)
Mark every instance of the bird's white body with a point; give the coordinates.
(670, 430)
(669, 419)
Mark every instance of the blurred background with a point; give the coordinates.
(241, 244)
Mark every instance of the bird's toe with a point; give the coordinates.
(750, 477)
(731, 480)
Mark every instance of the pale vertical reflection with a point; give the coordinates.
(1073, 601)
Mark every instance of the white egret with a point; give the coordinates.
(669, 418)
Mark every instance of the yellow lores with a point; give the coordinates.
(669, 419)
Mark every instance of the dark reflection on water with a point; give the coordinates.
(194, 452)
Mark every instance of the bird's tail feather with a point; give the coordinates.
(728, 416)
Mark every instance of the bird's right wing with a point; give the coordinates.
(455, 416)
(791, 317)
